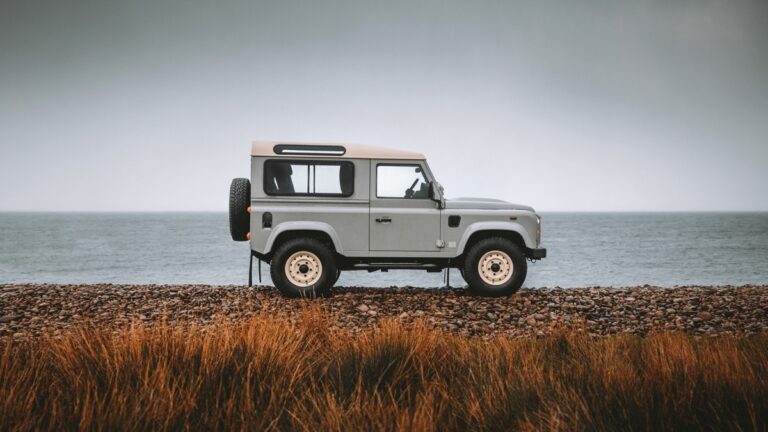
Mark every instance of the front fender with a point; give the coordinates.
(494, 226)
(303, 226)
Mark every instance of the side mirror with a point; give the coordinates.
(436, 194)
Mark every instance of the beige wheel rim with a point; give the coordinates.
(303, 269)
(495, 267)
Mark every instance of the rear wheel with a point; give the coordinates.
(336, 279)
(495, 267)
(303, 267)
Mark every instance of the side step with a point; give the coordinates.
(396, 266)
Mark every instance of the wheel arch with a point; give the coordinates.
(482, 230)
(290, 230)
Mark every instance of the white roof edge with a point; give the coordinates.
(352, 151)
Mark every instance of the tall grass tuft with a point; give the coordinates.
(272, 374)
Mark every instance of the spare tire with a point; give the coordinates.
(239, 201)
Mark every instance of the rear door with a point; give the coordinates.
(402, 218)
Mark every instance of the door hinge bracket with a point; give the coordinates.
(440, 244)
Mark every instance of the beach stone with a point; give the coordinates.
(10, 317)
(30, 310)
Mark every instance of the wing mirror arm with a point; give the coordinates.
(436, 194)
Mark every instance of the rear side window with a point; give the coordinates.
(309, 178)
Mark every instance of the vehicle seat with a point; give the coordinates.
(422, 192)
(347, 178)
(278, 178)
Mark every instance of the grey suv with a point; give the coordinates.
(315, 210)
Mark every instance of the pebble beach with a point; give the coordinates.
(32, 310)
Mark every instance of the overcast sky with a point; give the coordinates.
(571, 105)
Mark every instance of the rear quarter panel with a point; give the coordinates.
(347, 216)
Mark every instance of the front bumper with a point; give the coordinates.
(537, 253)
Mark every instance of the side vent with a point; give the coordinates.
(454, 221)
(266, 220)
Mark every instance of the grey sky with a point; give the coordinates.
(573, 105)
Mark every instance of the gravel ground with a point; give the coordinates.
(28, 310)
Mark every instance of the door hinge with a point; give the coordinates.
(440, 243)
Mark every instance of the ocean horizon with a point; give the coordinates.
(611, 249)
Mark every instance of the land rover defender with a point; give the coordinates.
(314, 210)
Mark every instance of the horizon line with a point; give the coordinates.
(226, 211)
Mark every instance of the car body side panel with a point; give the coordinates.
(348, 221)
(343, 222)
(411, 224)
(345, 219)
(303, 226)
(475, 227)
(410, 228)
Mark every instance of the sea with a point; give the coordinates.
(583, 250)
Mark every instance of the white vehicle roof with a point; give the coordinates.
(351, 151)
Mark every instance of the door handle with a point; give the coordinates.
(383, 220)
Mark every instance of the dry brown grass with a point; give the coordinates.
(271, 374)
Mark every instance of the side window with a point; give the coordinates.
(401, 181)
(309, 178)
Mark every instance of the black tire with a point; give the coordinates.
(472, 273)
(336, 279)
(328, 272)
(239, 201)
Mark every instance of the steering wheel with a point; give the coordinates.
(409, 191)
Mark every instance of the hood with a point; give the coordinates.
(483, 204)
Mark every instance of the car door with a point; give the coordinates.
(402, 217)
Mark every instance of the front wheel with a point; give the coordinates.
(495, 267)
(303, 267)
